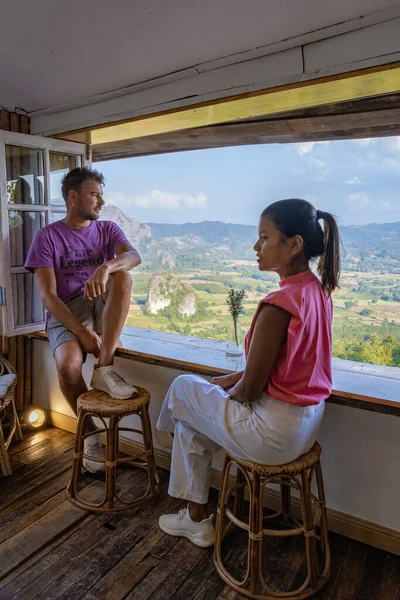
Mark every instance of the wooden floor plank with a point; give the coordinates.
(370, 581)
(390, 579)
(349, 576)
(127, 573)
(52, 563)
(38, 451)
(30, 477)
(33, 438)
(42, 569)
(31, 501)
(131, 579)
(198, 578)
(169, 574)
(51, 550)
(229, 594)
(21, 546)
(77, 581)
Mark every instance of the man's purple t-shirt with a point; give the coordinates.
(74, 254)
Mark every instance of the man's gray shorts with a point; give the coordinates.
(88, 312)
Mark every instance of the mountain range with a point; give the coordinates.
(371, 247)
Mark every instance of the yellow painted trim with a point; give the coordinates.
(351, 86)
(338, 522)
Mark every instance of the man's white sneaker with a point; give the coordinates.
(93, 448)
(181, 525)
(107, 379)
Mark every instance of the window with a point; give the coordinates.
(30, 172)
(193, 216)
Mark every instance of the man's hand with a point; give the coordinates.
(96, 284)
(89, 341)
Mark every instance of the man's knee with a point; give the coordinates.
(69, 373)
(122, 279)
(69, 360)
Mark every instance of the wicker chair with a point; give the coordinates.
(8, 382)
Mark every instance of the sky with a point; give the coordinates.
(357, 180)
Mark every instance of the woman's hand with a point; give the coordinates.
(237, 394)
(227, 381)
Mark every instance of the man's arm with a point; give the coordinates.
(46, 281)
(127, 258)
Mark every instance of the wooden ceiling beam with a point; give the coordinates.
(375, 123)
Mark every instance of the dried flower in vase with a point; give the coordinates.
(235, 304)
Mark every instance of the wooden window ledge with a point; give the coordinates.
(358, 385)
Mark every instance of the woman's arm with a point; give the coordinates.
(269, 336)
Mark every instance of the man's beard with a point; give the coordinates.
(90, 216)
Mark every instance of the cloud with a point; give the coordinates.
(395, 144)
(392, 164)
(117, 199)
(158, 199)
(306, 147)
(317, 162)
(323, 175)
(386, 205)
(364, 142)
(354, 181)
(359, 201)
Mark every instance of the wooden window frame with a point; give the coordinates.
(47, 145)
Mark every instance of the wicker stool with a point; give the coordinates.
(297, 475)
(101, 405)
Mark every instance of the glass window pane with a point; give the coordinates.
(27, 306)
(57, 216)
(25, 175)
(60, 164)
(23, 227)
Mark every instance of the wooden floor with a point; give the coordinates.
(50, 549)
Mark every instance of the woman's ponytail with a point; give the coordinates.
(329, 261)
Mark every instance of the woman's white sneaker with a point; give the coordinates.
(107, 379)
(181, 525)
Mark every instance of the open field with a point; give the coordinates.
(367, 308)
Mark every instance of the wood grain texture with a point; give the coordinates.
(49, 549)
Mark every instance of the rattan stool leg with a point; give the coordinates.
(111, 459)
(285, 501)
(309, 530)
(152, 472)
(239, 494)
(77, 457)
(221, 506)
(324, 521)
(255, 531)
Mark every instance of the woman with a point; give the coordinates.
(270, 412)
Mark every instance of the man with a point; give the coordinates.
(81, 268)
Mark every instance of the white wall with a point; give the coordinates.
(361, 449)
